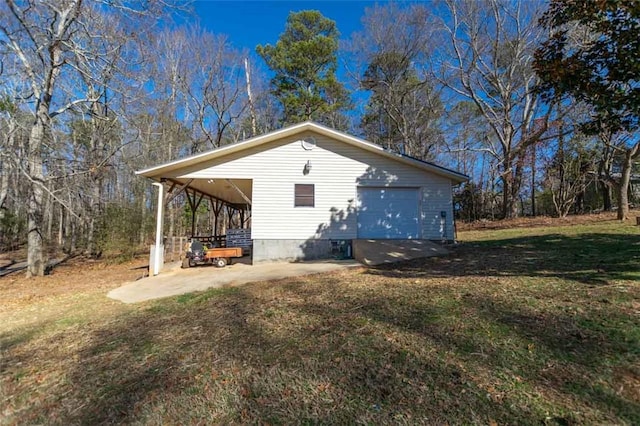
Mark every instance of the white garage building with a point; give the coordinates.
(308, 185)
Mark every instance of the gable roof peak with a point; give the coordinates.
(157, 171)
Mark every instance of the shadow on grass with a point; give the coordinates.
(10, 340)
(322, 351)
(593, 259)
(363, 348)
(229, 361)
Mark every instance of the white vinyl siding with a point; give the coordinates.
(337, 169)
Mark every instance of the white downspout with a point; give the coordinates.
(157, 258)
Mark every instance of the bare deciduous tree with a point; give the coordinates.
(49, 41)
(569, 171)
(486, 57)
(625, 148)
(404, 108)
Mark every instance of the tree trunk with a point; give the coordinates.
(61, 227)
(35, 245)
(95, 212)
(143, 214)
(49, 210)
(73, 238)
(89, 250)
(252, 108)
(509, 196)
(4, 168)
(510, 210)
(506, 196)
(172, 219)
(604, 171)
(623, 187)
(579, 204)
(4, 186)
(605, 189)
(533, 180)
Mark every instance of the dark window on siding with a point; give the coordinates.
(305, 195)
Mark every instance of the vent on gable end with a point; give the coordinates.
(308, 143)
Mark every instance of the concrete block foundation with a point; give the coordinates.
(272, 250)
(367, 252)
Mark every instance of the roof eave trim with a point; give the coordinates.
(442, 171)
(154, 172)
(149, 172)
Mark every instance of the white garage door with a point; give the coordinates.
(388, 213)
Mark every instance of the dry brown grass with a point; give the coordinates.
(541, 221)
(499, 332)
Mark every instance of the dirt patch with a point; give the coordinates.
(73, 276)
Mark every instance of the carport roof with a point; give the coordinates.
(161, 171)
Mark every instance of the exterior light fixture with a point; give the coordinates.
(307, 168)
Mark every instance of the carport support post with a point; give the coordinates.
(157, 257)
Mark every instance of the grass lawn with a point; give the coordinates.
(524, 326)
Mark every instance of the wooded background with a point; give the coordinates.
(536, 102)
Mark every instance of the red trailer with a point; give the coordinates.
(197, 253)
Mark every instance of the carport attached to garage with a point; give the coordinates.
(388, 213)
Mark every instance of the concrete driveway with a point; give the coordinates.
(174, 281)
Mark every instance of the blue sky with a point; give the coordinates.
(249, 23)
